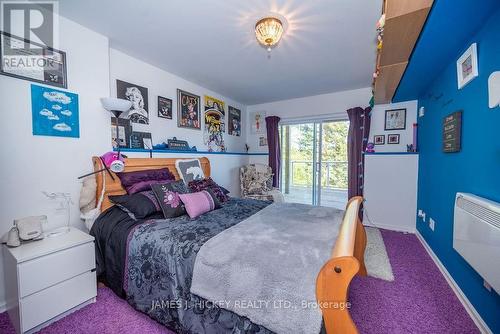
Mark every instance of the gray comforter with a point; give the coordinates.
(159, 260)
(265, 267)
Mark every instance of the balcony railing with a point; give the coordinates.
(333, 173)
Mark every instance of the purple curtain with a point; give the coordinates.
(273, 142)
(359, 129)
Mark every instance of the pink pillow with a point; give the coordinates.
(199, 203)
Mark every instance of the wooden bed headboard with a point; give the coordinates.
(114, 187)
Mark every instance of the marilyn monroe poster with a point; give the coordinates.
(138, 95)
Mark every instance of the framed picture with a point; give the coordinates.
(54, 112)
(141, 140)
(138, 95)
(393, 139)
(467, 66)
(215, 123)
(262, 141)
(258, 122)
(234, 122)
(188, 110)
(124, 132)
(16, 61)
(164, 107)
(452, 132)
(379, 139)
(395, 119)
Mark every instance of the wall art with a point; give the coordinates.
(138, 95)
(54, 112)
(164, 107)
(215, 116)
(188, 110)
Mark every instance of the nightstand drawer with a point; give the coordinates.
(45, 271)
(49, 303)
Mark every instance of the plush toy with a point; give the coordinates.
(370, 148)
(379, 44)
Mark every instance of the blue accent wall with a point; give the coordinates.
(476, 169)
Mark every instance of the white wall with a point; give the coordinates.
(332, 105)
(159, 82)
(162, 83)
(32, 164)
(405, 136)
(390, 191)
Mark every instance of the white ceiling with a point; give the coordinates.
(329, 45)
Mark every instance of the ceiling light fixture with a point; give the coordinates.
(269, 31)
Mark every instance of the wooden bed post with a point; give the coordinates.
(347, 260)
(360, 247)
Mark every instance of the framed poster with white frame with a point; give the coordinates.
(467, 66)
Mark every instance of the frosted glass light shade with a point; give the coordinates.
(115, 104)
(268, 31)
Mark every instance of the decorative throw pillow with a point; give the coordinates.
(168, 198)
(199, 203)
(224, 190)
(189, 170)
(140, 205)
(208, 183)
(144, 185)
(130, 178)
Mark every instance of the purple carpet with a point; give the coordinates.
(418, 301)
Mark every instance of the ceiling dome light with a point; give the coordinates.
(269, 31)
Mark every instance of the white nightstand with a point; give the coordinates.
(47, 279)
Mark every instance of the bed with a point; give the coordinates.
(150, 262)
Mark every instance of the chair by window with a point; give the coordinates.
(256, 182)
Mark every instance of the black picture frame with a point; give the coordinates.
(393, 138)
(184, 120)
(452, 132)
(51, 77)
(138, 95)
(379, 137)
(234, 121)
(390, 123)
(123, 126)
(165, 107)
(137, 140)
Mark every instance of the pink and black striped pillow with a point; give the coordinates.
(199, 203)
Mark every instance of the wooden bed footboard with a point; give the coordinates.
(347, 260)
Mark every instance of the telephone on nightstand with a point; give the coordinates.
(25, 229)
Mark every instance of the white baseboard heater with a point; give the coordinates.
(476, 235)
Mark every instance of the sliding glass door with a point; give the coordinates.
(314, 162)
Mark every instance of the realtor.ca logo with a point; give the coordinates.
(29, 41)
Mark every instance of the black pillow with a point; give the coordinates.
(140, 205)
(168, 198)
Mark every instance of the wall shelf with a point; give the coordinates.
(403, 24)
(140, 150)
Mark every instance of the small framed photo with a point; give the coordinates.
(467, 66)
(379, 139)
(395, 119)
(164, 107)
(393, 139)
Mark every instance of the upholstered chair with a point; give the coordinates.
(256, 182)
